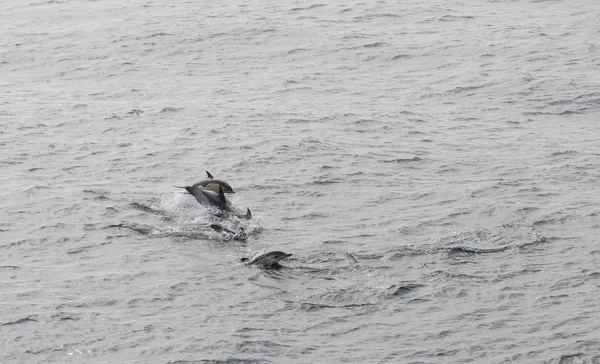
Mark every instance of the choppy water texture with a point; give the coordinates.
(432, 166)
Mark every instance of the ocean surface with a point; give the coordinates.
(433, 167)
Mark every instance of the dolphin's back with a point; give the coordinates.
(213, 185)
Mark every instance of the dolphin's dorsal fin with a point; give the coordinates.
(248, 215)
(209, 175)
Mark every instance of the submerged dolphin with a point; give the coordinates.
(213, 184)
(210, 198)
(239, 235)
(266, 260)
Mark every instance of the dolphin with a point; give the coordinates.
(240, 235)
(210, 198)
(266, 260)
(213, 184)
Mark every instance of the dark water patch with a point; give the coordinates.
(34, 169)
(9, 267)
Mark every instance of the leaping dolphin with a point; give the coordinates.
(210, 198)
(266, 260)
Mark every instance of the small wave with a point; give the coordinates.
(566, 152)
(335, 242)
(327, 181)
(455, 17)
(556, 218)
(30, 318)
(312, 306)
(294, 51)
(141, 207)
(463, 250)
(161, 34)
(224, 361)
(461, 89)
(374, 45)
(403, 289)
(379, 15)
(169, 109)
(401, 160)
(400, 56)
(578, 358)
(193, 232)
(308, 7)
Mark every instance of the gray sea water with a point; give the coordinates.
(432, 166)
